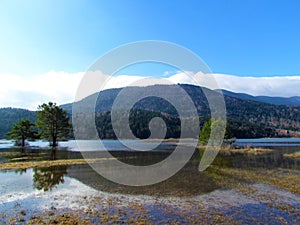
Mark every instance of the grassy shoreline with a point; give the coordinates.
(245, 150)
(295, 155)
(16, 160)
(49, 163)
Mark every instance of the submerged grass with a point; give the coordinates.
(237, 178)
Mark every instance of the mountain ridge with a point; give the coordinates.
(244, 112)
(293, 101)
(282, 118)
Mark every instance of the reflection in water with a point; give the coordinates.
(20, 171)
(53, 153)
(274, 159)
(187, 182)
(47, 178)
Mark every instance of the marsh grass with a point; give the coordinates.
(249, 151)
(295, 155)
(22, 156)
(234, 151)
(238, 178)
(48, 163)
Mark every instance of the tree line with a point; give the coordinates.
(52, 124)
(139, 124)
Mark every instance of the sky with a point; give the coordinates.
(46, 46)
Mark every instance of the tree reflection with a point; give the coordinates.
(53, 154)
(20, 171)
(48, 177)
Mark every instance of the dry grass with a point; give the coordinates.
(10, 154)
(246, 150)
(295, 155)
(49, 163)
(251, 151)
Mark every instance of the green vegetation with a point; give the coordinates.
(205, 133)
(23, 130)
(215, 126)
(222, 174)
(139, 124)
(53, 123)
(245, 129)
(48, 177)
(245, 118)
(11, 116)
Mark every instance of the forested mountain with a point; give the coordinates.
(139, 120)
(10, 116)
(247, 118)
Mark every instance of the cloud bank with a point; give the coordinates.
(29, 92)
(276, 86)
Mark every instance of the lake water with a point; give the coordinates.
(112, 145)
(95, 145)
(268, 142)
(34, 188)
(197, 182)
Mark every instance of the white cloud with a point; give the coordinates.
(282, 86)
(29, 92)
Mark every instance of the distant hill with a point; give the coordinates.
(292, 101)
(247, 117)
(10, 116)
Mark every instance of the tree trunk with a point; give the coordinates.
(23, 141)
(53, 153)
(54, 141)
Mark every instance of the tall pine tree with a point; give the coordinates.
(23, 130)
(53, 122)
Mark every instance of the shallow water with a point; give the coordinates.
(194, 182)
(266, 206)
(41, 188)
(94, 145)
(268, 142)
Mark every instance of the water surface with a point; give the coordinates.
(189, 181)
(29, 188)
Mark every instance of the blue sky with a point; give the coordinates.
(255, 38)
